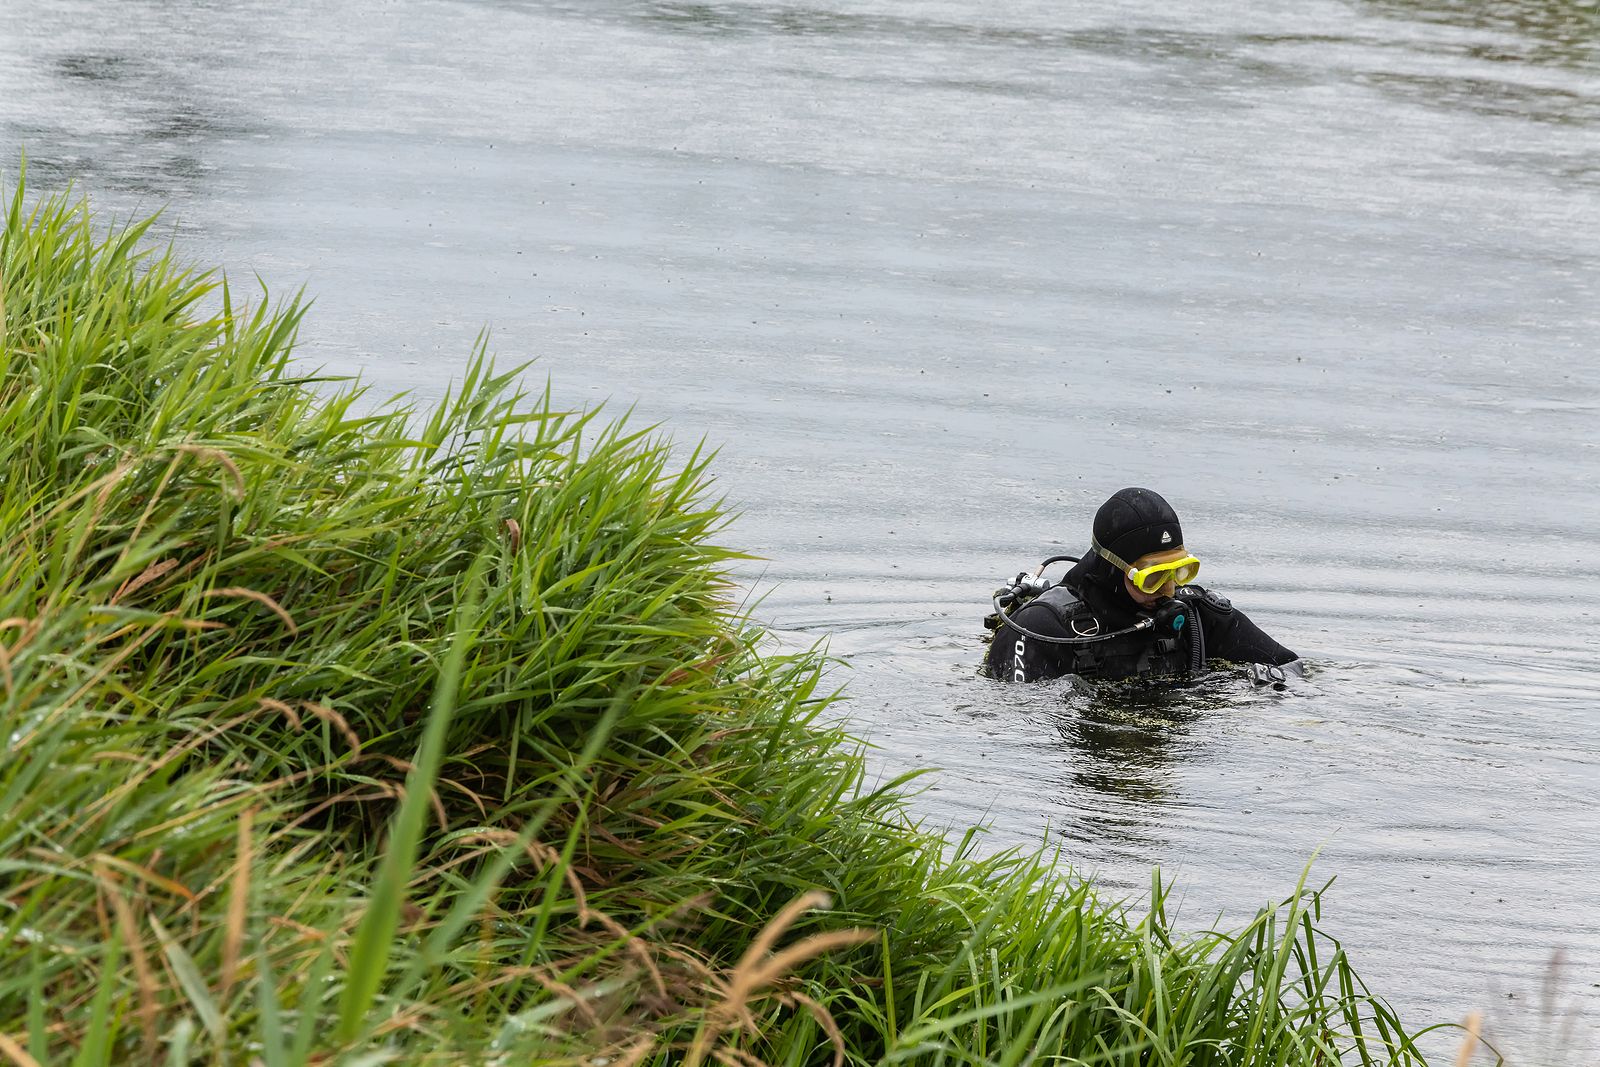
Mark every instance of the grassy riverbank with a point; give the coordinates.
(343, 732)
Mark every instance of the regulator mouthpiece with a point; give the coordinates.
(1170, 617)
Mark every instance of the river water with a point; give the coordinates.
(938, 277)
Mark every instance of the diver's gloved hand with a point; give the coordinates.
(1266, 674)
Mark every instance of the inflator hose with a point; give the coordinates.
(1197, 641)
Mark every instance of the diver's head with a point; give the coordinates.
(1137, 532)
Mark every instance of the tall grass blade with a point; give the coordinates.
(194, 986)
(374, 942)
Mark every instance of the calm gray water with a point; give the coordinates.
(940, 276)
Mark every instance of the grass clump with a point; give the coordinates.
(342, 732)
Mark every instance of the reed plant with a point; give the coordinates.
(349, 732)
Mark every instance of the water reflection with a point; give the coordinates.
(96, 68)
(1543, 32)
(1525, 33)
(1153, 42)
(1127, 741)
(727, 20)
(1512, 40)
(1131, 741)
(1148, 41)
(153, 126)
(1540, 32)
(1487, 96)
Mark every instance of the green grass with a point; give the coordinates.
(346, 732)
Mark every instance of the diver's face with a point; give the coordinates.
(1148, 600)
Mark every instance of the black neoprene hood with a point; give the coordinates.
(1135, 522)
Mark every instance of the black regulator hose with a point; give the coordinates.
(1143, 624)
(1170, 616)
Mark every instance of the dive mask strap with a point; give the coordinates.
(1110, 557)
(1150, 579)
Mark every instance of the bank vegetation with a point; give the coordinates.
(340, 731)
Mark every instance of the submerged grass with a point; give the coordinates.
(343, 732)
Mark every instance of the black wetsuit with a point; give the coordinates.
(1092, 600)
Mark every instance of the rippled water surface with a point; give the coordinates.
(940, 276)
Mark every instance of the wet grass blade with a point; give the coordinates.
(369, 957)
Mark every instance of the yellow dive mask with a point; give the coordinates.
(1150, 579)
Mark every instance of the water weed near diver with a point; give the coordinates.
(351, 732)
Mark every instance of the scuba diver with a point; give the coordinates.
(1127, 609)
